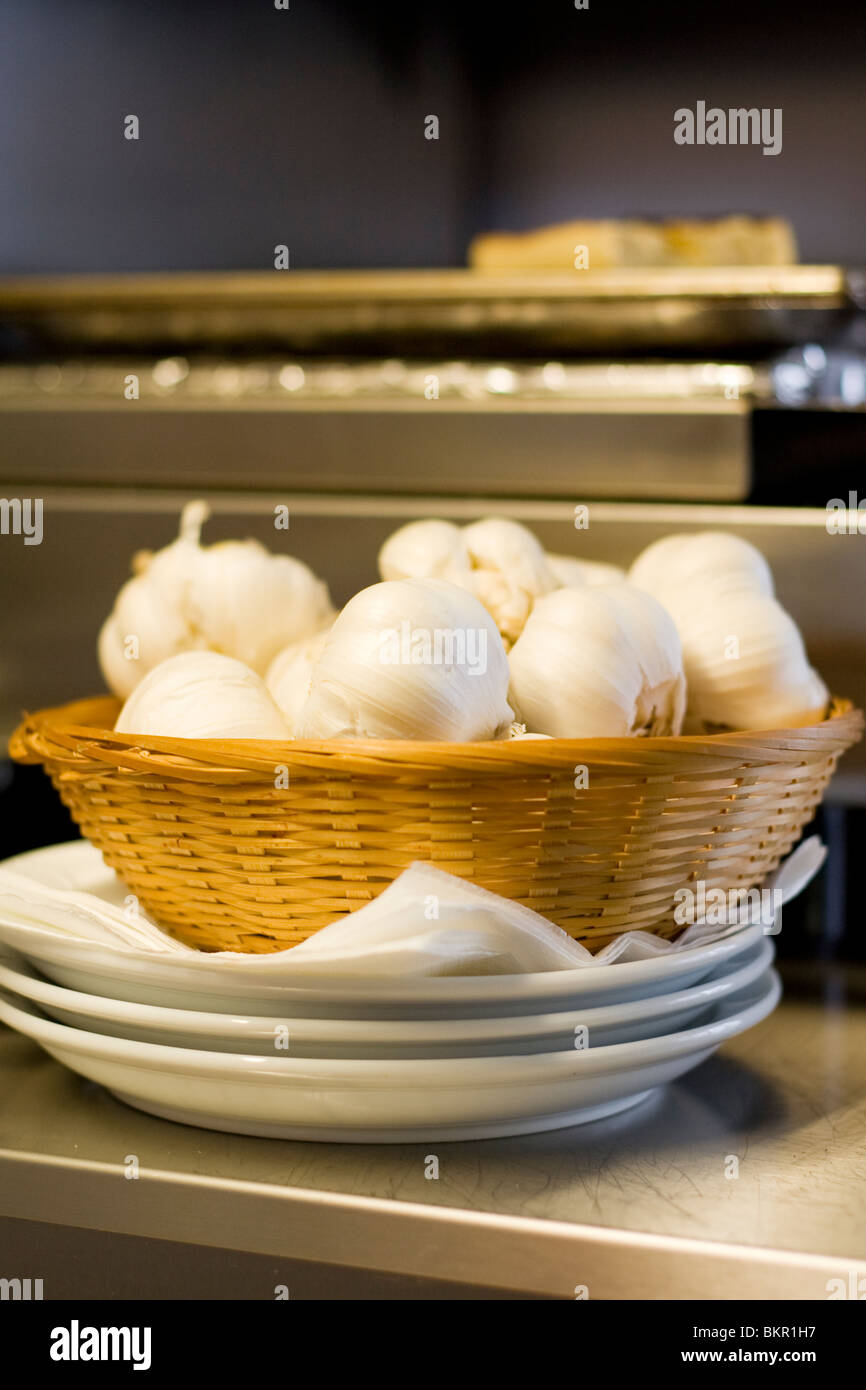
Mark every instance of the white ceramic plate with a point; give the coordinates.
(306, 1037)
(389, 1101)
(193, 982)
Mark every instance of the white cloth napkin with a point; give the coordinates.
(426, 922)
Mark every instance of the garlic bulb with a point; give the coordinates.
(202, 695)
(598, 662)
(410, 658)
(745, 663)
(149, 622)
(746, 666)
(233, 597)
(575, 573)
(144, 628)
(289, 674)
(510, 570)
(425, 550)
(250, 603)
(499, 561)
(671, 566)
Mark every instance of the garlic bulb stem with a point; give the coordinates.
(192, 519)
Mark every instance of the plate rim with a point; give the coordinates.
(205, 1022)
(315, 1071)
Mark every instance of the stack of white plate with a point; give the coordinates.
(375, 1060)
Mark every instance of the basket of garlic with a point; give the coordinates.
(580, 740)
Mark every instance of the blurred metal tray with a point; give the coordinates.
(667, 429)
(460, 311)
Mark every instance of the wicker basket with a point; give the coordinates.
(227, 856)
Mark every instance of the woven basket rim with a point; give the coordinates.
(228, 855)
(77, 730)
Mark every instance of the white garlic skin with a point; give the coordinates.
(746, 665)
(671, 566)
(598, 662)
(172, 567)
(202, 694)
(250, 604)
(510, 571)
(290, 674)
(574, 573)
(234, 597)
(150, 620)
(497, 560)
(517, 731)
(143, 629)
(428, 549)
(500, 543)
(359, 689)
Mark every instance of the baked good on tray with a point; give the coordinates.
(619, 243)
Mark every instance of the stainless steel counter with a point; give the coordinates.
(745, 1180)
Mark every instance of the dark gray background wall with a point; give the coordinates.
(306, 126)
